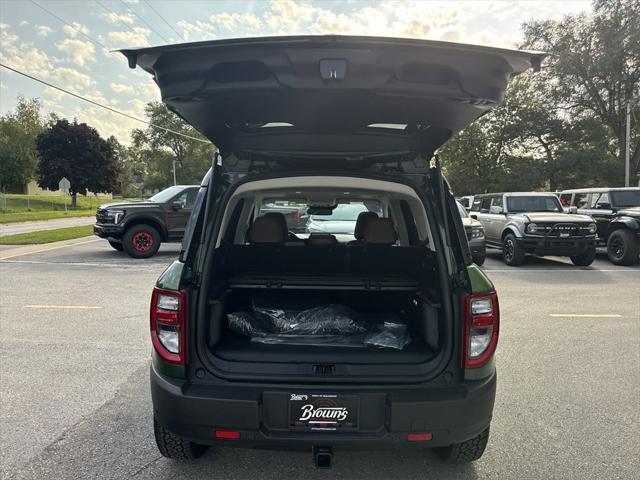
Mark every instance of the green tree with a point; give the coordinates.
(594, 66)
(78, 152)
(18, 155)
(158, 149)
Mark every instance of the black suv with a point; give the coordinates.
(267, 338)
(533, 222)
(617, 213)
(138, 228)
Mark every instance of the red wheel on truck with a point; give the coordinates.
(141, 241)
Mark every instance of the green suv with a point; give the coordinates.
(268, 338)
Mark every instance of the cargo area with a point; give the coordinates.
(339, 295)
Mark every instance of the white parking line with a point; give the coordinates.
(71, 307)
(29, 252)
(586, 315)
(82, 264)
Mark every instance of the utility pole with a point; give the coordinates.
(174, 160)
(627, 143)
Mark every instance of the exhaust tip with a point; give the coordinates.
(322, 457)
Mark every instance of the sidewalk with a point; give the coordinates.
(38, 225)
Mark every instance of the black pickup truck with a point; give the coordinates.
(139, 228)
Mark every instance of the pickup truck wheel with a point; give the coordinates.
(584, 259)
(622, 247)
(141, 241)
(116, 245)
(175, 447)
(464, 452)
(512, 253)
(479, 258)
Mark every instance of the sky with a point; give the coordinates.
(72, 43)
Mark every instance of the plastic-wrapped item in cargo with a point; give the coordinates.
(389, 335)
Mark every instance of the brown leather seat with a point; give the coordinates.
(269, 228)
(379, 231)
(319, 239)
(361, 222)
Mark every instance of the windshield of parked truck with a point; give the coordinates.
(626, 198)
(533, 203)
(166, 194)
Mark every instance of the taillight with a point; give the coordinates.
(481, 324)
(168, 324)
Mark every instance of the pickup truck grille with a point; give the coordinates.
(101, 216)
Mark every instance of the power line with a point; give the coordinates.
(96, 42)
(162, 18)
(145, 22)
(101, 105)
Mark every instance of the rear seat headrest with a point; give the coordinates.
(361, 222)
(380, 230)
(270, 228)
(321, 239)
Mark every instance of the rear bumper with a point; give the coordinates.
(557, 246)
(260, 413)
(108, 231)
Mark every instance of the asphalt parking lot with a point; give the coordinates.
(75, 401)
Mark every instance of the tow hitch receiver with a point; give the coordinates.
(322, 457)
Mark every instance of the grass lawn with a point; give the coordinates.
(47, 236)
(23, 208)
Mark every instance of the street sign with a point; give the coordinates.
(64, 185)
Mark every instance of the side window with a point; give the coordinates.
(484, 206)
(475, 207)
(496, 201)
(581, 200)
(565, 199)
(187, 198)
(600, 201)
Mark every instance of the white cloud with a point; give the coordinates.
(235, 21)
(72, 79)
(122, 88)
(136, 38)
(73, 29)
(42, 30)
(23, 56)
(197, 30)
(112, 17)
(79, 51)
(149, 90)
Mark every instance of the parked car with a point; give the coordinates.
(475, 236)
(300, 117)
(617, 214)
(342, 219)
(534, 223)
(139, 228)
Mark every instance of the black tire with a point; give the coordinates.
(584, 259)
(175, 447)
(479, 258)
(622, 247)
(116, 245)
(141, 241)
(465, 452)
(512, 253)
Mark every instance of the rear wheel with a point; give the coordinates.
(622, 247)
(464, 452)
(584, 259)
(141, 241)
(175, 447)
(116, 245)
(512, 253)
